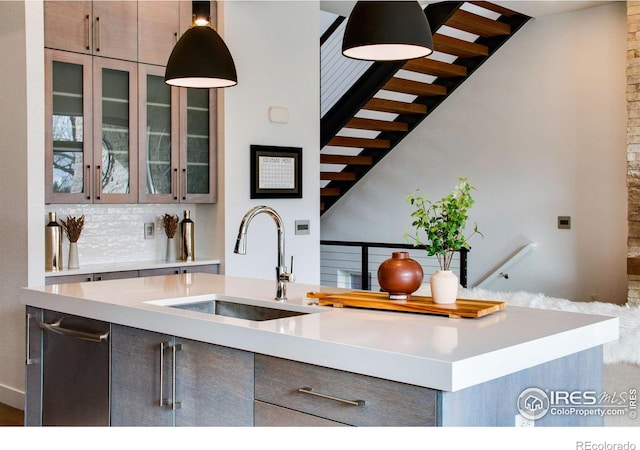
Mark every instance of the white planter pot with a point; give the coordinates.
(444, 287)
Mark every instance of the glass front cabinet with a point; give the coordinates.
(117, 133)
(90, 129)
(177, 153)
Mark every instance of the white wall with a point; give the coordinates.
(540, 131)
(21, 194)
(276, 49)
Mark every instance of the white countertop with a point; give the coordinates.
(424, 350)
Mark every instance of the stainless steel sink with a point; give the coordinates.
(239, 308)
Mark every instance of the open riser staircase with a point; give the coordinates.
(390, 99)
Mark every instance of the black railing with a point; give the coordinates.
(355, 264)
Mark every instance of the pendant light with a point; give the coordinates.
(387, 31)
(200, 58)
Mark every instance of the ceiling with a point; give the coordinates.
(530, 8)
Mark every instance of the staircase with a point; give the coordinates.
(391, 98)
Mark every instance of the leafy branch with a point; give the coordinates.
(170, 224)
(439, 225)
(73, 227)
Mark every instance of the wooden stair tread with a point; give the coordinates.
(458, 47)
(338, 176)
(354, 142)
(482, 26)
(495, 8)
(414, 87)
(329, 192)
(393, 106)
(376, 125)
(436, 68)
(346, 160)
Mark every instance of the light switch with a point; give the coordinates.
(564, 222)
(149, 230)
(302, 227)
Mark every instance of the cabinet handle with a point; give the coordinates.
(163, 401)
(87, 20)
(29, 359)
(87, 177)
(309, 391)
(174, 405)
(175, 36)
(99, 34)
(184, 182)
(174, 184)
(56, 327)
(98, 182)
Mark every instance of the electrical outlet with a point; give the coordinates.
(522, 421)
(149, 230)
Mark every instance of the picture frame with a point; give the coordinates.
(276, 172)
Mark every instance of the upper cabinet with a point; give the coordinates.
(91, 129)
(115, 131)
(177, 155)
(159, 26)
(104, 28)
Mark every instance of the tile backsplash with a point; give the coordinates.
(115, 233)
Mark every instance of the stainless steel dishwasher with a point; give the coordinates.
(75, 370)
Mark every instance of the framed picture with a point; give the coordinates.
(276, 172)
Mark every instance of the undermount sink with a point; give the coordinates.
(237, 308)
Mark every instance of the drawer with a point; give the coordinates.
(268, 415)
(385, 403)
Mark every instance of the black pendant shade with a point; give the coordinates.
(201, 59)
(387, 31)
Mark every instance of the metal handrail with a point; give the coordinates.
(365, 246)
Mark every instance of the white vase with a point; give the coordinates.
(444, 287)
(171, 250)
(74, 263)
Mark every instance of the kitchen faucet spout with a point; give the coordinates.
(282, 275)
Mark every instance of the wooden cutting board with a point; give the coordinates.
(417, 304)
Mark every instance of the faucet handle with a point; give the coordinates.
(289, 276)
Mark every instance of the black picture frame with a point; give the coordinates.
(276, 172)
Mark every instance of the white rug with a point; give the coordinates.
(625, 349)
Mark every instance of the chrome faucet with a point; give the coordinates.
(282, 276)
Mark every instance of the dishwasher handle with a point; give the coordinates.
(56, 327)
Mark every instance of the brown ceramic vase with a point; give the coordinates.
(400, 276)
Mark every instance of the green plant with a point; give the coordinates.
(439, 226)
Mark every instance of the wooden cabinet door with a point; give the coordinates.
(115, 131)
(68, 25)
(68, 129)
(115, 29)
(158, 30)
(214, 385)
(103, 28)
(140, 377)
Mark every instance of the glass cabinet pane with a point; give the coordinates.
(158, 132)
(198, 141)
(67, 130)
(115, 168)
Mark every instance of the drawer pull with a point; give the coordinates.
(308, 390)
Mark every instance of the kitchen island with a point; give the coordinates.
(459, 371)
